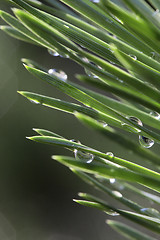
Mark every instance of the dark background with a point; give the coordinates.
(36, 192)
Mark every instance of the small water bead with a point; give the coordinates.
(112, 213)
(113, 63)
(119, 80)
(103, 123)
(117, 19)
(112, 180)
(34, 101)
(95, 1)
(117, 194)
(155, 13)
(155, 56)
(53, 53)
(114, 36)
(66, 26)
(155, 115)
(146, 142)
(89, 72)
(110, 154)
(133, 57)
(116, 184)
(82, 155)
(85, 59)
(58, 73)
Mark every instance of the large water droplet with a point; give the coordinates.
(151, 211)
(58, 73)
(146, 142)
(131, 128)
(155, 115)
(82, 155)
(136, 120)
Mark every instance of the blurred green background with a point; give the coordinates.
(35, 192)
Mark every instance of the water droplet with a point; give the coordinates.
(155, 13)
(146, 142)
(53, 53)
(82, 155)
(112, 51)
(119, 80)
(95, 1)
(131, 128)
(89, 72)
(114, 36)
(117, 19)
(112, 213)
(155, 115)
(119, 186)
(85, 59)
(133, 57)
(112, 180)
(58, 73)
(34, 101)
(151, 211)
(110, 154)
(66, 26)
(117, 194)
(136, 120)
(113, 63)
(103, 123)
(155, 56)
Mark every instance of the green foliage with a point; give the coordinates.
(118, 45)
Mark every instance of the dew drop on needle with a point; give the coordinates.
(82, 155)
(58, 73)
(146, 142)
